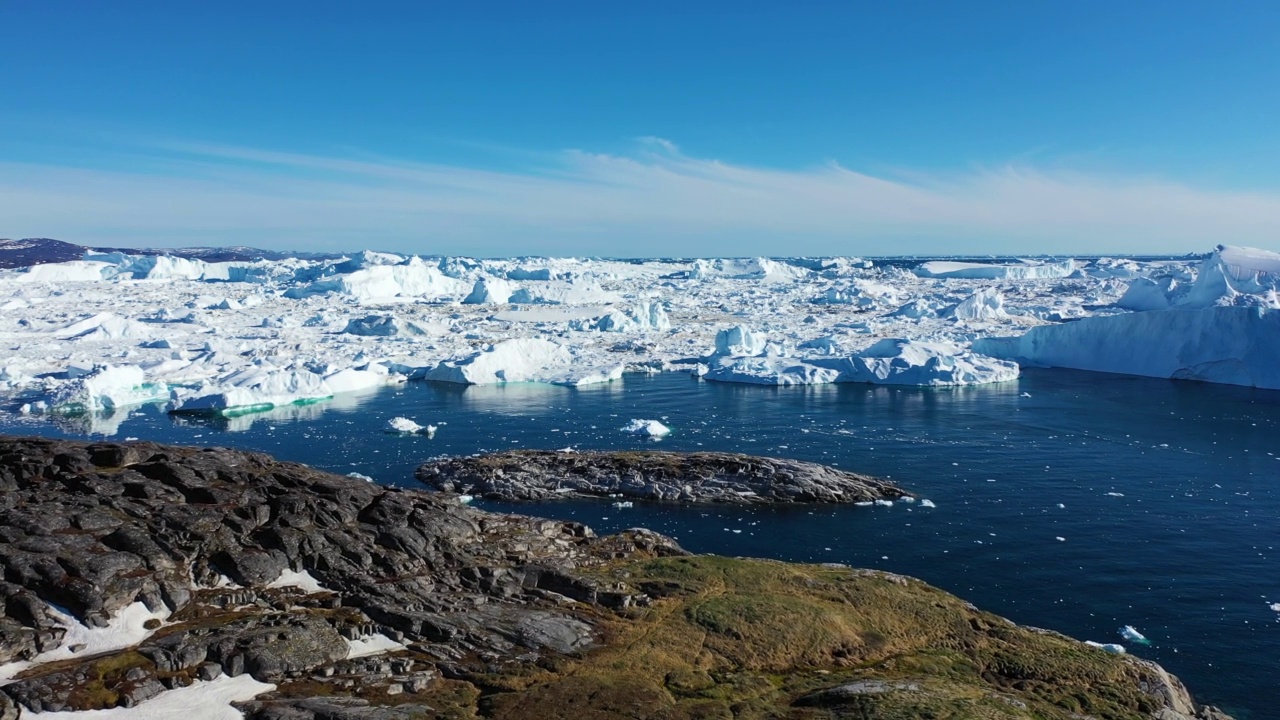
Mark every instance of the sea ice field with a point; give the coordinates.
(1069, 483)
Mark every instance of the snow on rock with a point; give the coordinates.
(1233, 345)
(301, 580)
(984, 271)
(125, 629)
(107, 387)
(646, 428)
(201, 700)
(518, 360)
(369, 645)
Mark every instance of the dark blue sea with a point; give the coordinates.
(1075, 501)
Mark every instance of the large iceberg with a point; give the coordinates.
(1233, 345)
(1225, 328)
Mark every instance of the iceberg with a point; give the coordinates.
(106, 388)
(985, 271)
(382, 326)
(908, 362)
(1226, 344)
(739, 340)
(405, 426)
(518, 360)
(255, 388)
(490, 291)
(646, 428)
(986, 305)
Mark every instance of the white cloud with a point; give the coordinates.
(658, 202)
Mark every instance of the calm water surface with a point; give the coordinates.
(1074, 501)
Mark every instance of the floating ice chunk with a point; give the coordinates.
(201, 700)
(1059, 538)
(884, 503)
(646, 428)
(255, 388)
(466, 499)
(405, 426)
(351, 380)
(906, 362)
(624, 504)
(1275, 607)
(576, 376)
(984, 271)
(907, 499)
(376, 644)
(1115, 494)
(1130, 633)
(927, 503)
(359, 476)
(1113, 648)
(518, 360)
(302, 580)
(107, 387)
(769, 371)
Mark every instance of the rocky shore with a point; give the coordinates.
(141, 575)
(699, 477)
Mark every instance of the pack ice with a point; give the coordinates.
(94, 336)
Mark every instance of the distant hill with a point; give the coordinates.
(37, 251)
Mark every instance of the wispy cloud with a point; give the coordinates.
(657, 201)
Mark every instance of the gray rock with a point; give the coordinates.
(700, 477)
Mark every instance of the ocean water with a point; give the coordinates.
(1075, 501)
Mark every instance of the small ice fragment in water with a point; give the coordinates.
(1130, 633)
(884, 503)
(359, 476)
(646, 428)
(927, 503)
(1059, 538)
(907, 499)
(624, 504)
(466, 499)
(1275, 606)
(1025, 394)
(1060, 506)
(405, 426)
(1116, 494)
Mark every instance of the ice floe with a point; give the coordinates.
(646, 428)
(101, 334)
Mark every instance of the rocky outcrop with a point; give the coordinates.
(359, 602)
(699, 477)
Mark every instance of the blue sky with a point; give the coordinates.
(651, 129)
